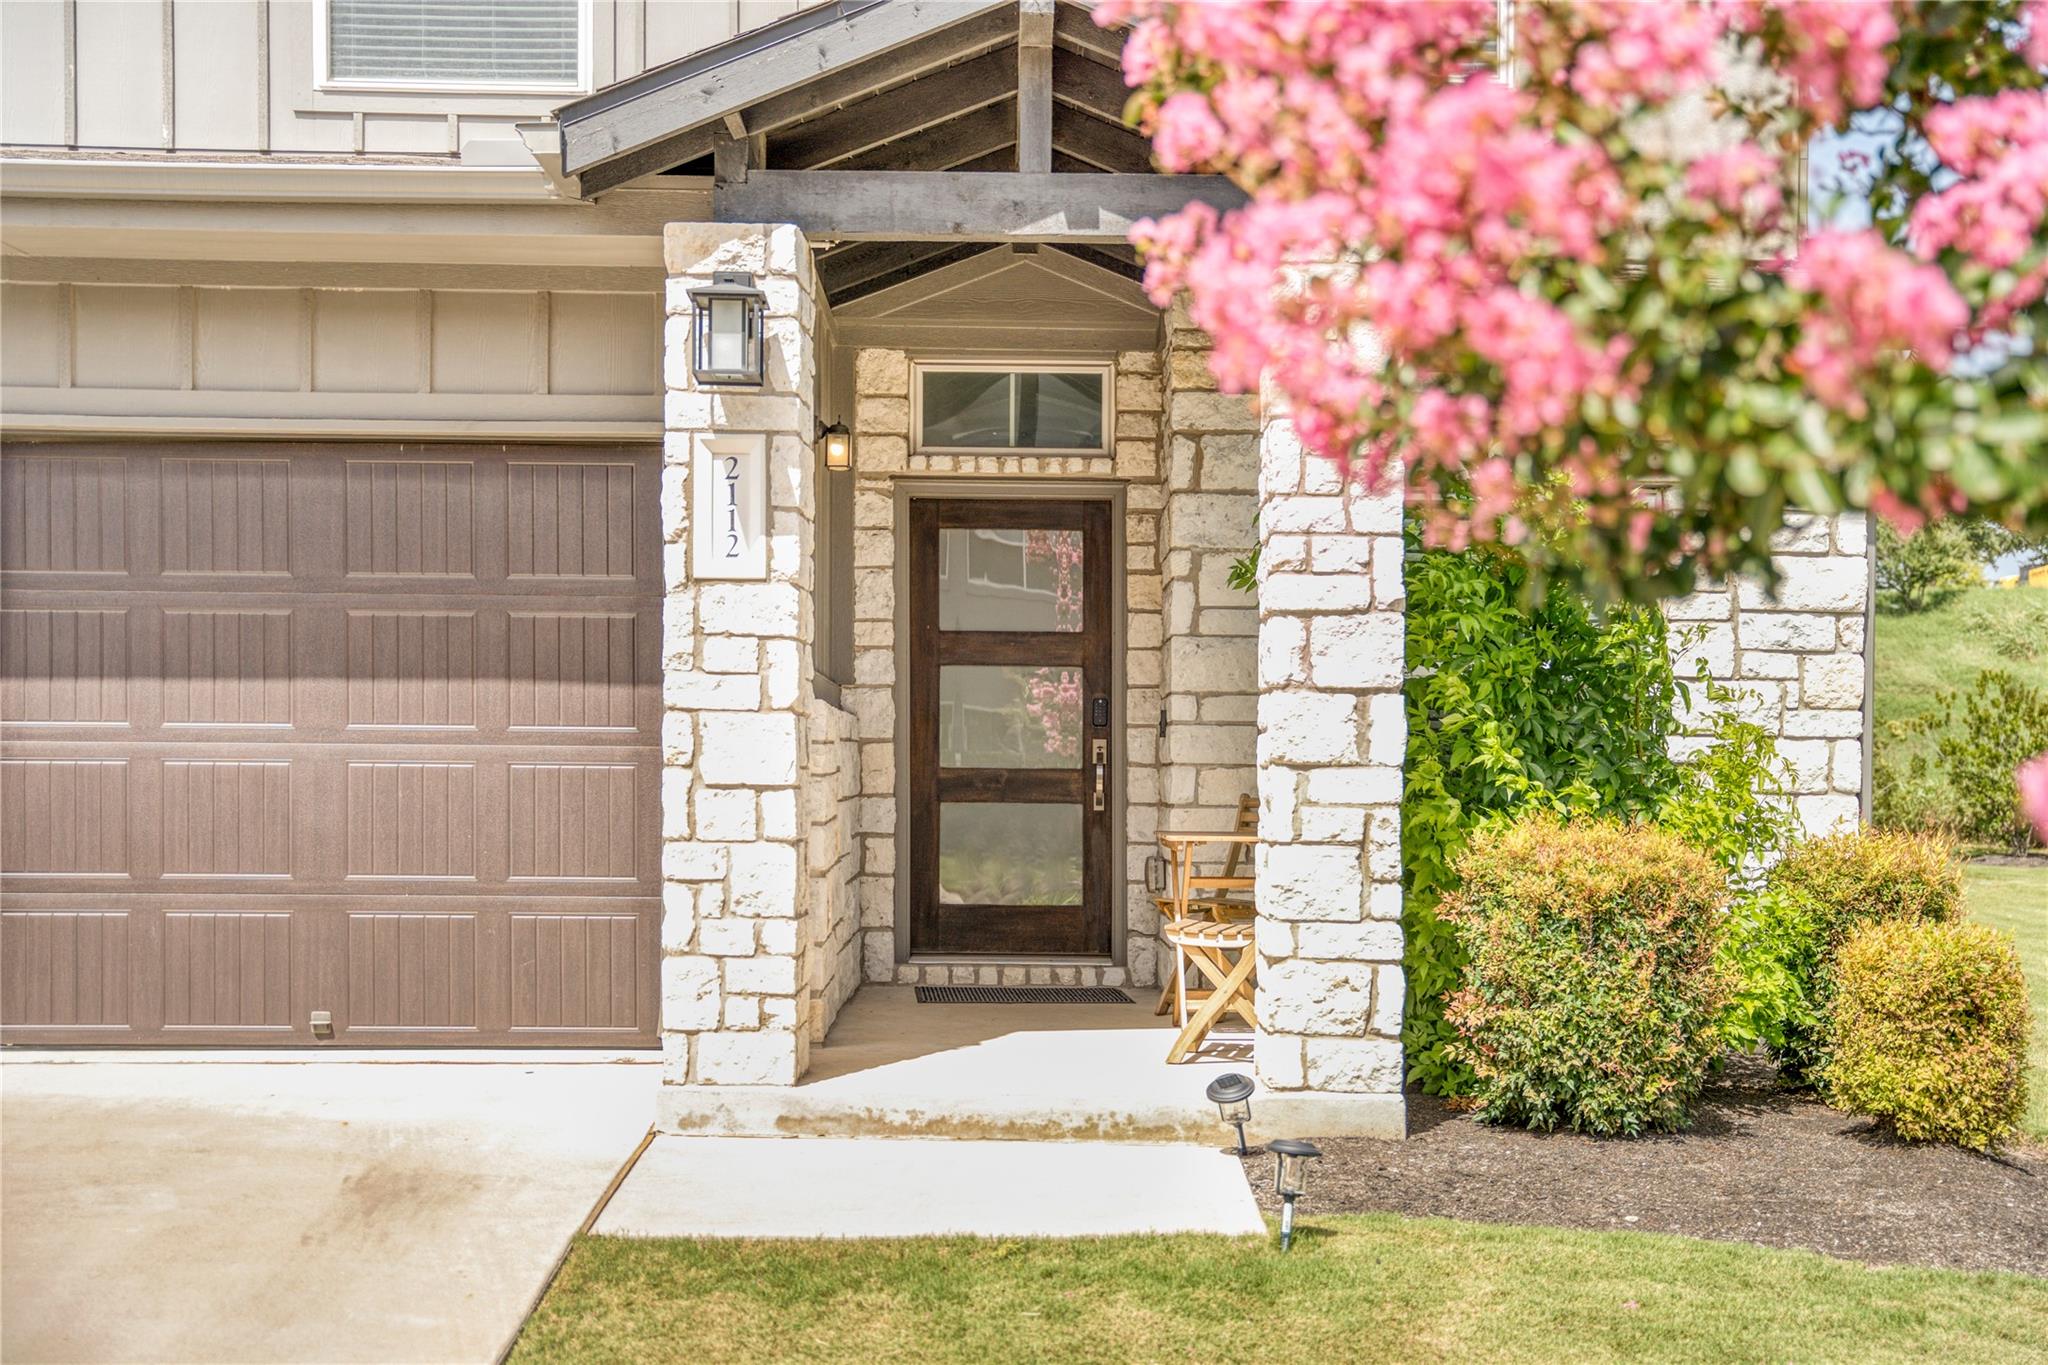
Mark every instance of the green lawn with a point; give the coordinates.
(1369, 1287)
(1918, 655)
(2015, 899)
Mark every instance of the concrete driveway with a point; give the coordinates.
(156, 1210)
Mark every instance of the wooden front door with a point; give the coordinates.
(1010, 698)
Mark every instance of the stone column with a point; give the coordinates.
(1332, 736)
(1797, 660)
(736, 687)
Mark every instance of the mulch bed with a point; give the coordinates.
(1760, 1165)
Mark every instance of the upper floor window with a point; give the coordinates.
(1048, 409)
(457, 44)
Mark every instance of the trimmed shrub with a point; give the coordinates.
(1782, 948)
(1930, 1024)
(1591, 993)
(1851, 879)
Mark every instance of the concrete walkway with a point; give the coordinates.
(295, 1211)
(883, 1187)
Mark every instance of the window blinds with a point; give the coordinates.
(451, 42)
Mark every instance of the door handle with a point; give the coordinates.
(1098, 754)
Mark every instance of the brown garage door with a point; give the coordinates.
(368, 731)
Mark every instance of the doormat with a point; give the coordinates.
(1021, 995)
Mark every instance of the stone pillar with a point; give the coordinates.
(1332, 736)
(1210, 476)
(736, 688)
(1798, 660)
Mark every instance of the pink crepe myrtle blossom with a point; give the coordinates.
(1443, 272)
(1870, 300)
(2032, 780)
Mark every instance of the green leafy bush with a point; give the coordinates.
(1981, 738)
(1771, 955)
(1781, 947)
(1930, 1024)
(1513, 708)
(2004, 723)
(1592, 994)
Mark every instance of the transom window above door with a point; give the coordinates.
(1046, 409)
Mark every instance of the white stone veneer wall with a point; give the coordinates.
(1332, 737)
(738, 987)
(831, 818)
(1799, 659)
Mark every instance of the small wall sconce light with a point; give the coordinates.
(1291, 1158)
(727, 334)
(838, 446)
(1231, 1093)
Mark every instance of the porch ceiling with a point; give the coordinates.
(1023, 96)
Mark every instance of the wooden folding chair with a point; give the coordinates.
(1182, 930)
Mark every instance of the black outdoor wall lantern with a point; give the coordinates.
(727, 333)
(1291, 1158)
(838, 446)
(1231, 1093)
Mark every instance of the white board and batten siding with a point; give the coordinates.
(241, 76)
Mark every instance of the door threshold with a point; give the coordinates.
(1005, 960)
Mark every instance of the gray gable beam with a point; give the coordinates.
(1074, 29)
(1034, 85)
(963, 205)
(995, 28)
(754, 67)
(944, 145)
(1088, 85)
(935, 52)
(1110, 146)
(907, 109)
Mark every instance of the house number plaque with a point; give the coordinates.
(729, 508)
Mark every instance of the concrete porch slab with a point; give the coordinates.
(870, 1187)
(894, 1068)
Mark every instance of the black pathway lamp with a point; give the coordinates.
(728, 331)
(1231, 1093)
(1291, 1158)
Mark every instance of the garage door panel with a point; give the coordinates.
(232, 971)
(411, 518)
(64, 817)
(66, 972)
(64, 513)
(64, 666)
(223, 517)
(335, 729)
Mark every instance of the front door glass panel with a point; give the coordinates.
(1007, 716)
(1009, 853)
(1010, 579)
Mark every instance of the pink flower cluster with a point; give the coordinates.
(1994, 214)
(1745, 182)
(1407, 205)
(1838, 53)
(1871, 302)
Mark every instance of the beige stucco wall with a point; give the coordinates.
(239, 76)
